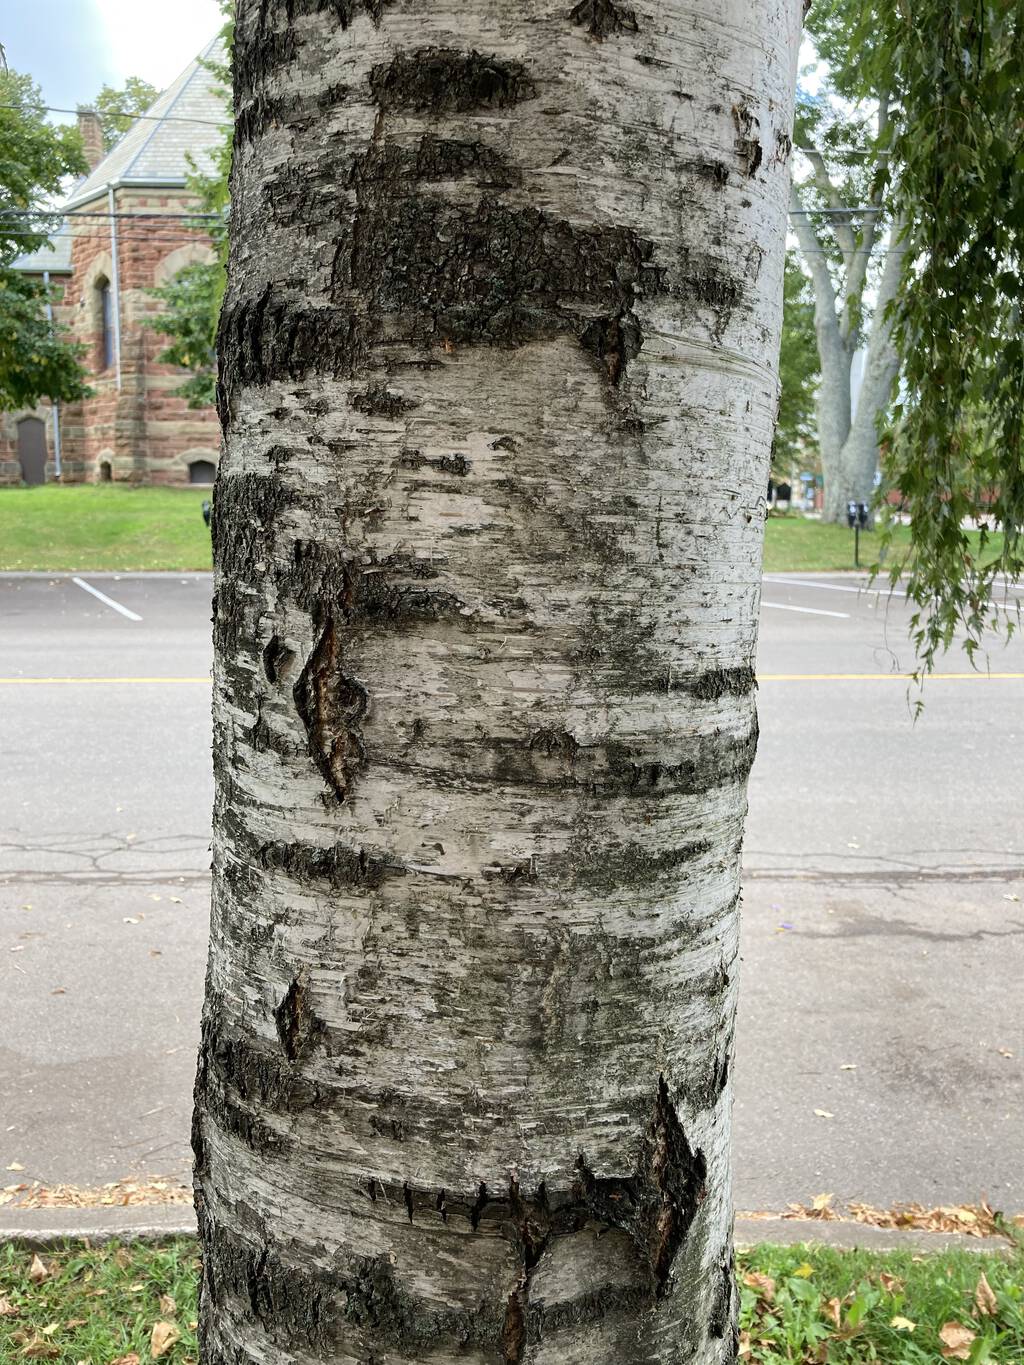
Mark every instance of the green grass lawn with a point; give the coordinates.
(796, 544)
(110, 526)
(800, 1304)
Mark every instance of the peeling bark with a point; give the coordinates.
(497, 384)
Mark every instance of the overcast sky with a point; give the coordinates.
(72, 47)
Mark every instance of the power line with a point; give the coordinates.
(63, 214)
(122, 113)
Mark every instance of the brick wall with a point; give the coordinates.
(142, 430)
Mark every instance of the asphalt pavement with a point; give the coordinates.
(880, 1046)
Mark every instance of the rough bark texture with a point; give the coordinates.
(848, 438)
(497, 386)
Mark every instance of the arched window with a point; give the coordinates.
(105, 310)
(201, 471)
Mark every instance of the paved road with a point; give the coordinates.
(883, 930)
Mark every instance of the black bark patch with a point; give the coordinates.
(615, 341)
(604, 18)
(380, 401)
(604, 869)
(656, 1205)
(444, 464)
(340, 866)
(331, 705)
(277, 660)
(724, 1305)
(747, 146)
(491, 275)
(722, 682)
(258, 57)
(298, 1027)
(717, 172)
(445, 80)
(291, 111)
(277, 336)
(434, 159)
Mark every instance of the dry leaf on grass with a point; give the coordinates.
(834, 1312)
(956, 1340)
(902, 1324)
(130, 1359)
(37, 1271)
(163, 1337)
(167, 1305)
(984, 1299)
(7, 1309)
(892, 1284)
(764, 1284)
(38, 1348)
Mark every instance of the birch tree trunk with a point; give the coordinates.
(497, 386)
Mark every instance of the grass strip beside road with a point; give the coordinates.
(112, 527)
(799, 1304)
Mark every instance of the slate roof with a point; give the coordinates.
(55, 258)
(187, 118)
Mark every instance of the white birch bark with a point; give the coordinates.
(498, 365)
(848, 443)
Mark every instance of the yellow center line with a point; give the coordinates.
(761, 678)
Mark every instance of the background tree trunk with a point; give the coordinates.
(497, 385)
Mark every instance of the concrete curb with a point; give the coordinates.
(859, 1236)
(39, 1229)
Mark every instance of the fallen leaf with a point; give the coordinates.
(49, 1330)
(37, 1271)
(15, 1166)
(133, 919)
(1005, 1052)
(824, 1114)
(764, 1284)
(7, 1309)
(163, 1337)
(745, 1346)
(175, 900)
(1011, 898)
(122, 1259)
(834, 1311)
(984, 1299)
(155, 952)
(130, 1359)
(848, 1066)
(59, 990)
(167, 1305)
(892, 1284)
(75, 1322)
(154, 897)
(956, 1340)
(821, 1201)
(902, 1324)
(39, 1349)
(804, 1271)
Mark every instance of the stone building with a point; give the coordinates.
(125, 230)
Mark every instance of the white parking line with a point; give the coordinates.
(831, 587)
(108, 601)
(808, 611)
